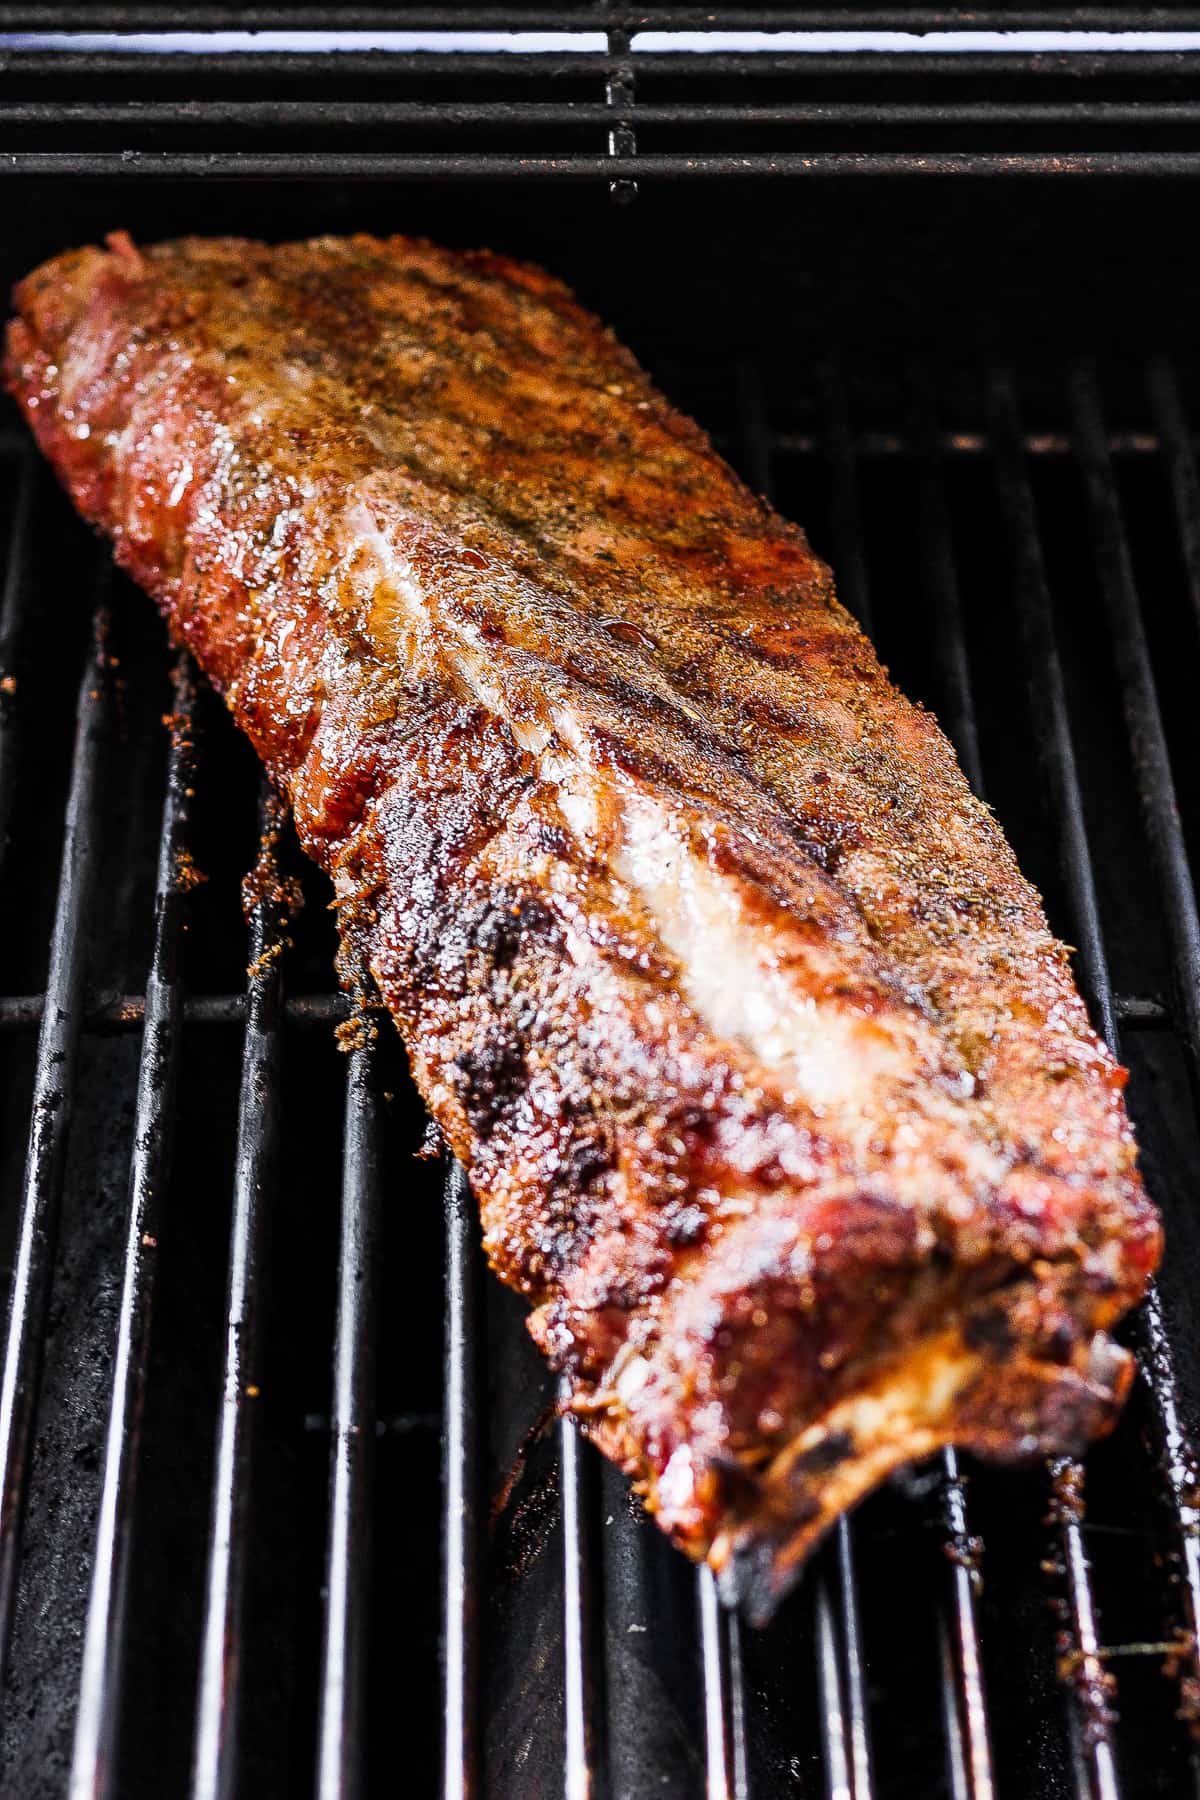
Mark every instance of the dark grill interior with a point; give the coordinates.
(227, 1561)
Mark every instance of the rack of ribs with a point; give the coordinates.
(779, 1101)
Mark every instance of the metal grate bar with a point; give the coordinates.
(1183, 1479)
(964, 443)
(577, 1661)
(868, 443)
(1139, 700)
(835, 1724)
(620, 95)
(726, 1761)
(524, 68)
(737, 1707)
(1092, 1686)
(340, 1730)
(968, 1743)
(717, 1783)
(1048, 697)
(463, 1515)
(215, 1753)
(853, 586)
(1141, 1012)
(126, 1012)
(590, 17)
(349, 165)
(186, 121)
(729, 1693)
(841, 1684)
(618, 113)
(964, 1705)
(12, 609)
(855, 1752)
(54, 1083)
(964, 1700)
(940, 582)
(852, 1650)
(92, 1768)
(1179, 455)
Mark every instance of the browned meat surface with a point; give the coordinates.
(778, 1098)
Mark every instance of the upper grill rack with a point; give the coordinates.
(615, 94)
(593, 1714)
(150, 16)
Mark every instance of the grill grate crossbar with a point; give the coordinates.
(578, 1722)
(341, 1733)
(719, 1778)
(588, 16)
(964, 1703)
(462, 1501)
(126, 1012)
(54, 1083)
(217, 1710)
(93, 1765)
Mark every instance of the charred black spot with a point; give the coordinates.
(752, 1580)
(764, 709)
(589, 1156)
(825, 840)
(772, 652)
(641, 763)
(989, 1330)
(500, 930)
(1060, 1344)
(556, 840)
(741, 1490)
(488, 1079)
(837, 1447)
(525, 1521)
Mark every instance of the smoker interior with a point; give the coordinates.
(975, 396)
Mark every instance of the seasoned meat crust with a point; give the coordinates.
(775, 1090)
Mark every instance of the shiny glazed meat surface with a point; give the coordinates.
(778, 1098)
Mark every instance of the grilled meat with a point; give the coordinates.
(775, 1090)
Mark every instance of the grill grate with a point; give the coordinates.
(591, 93)
(579, 1651)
